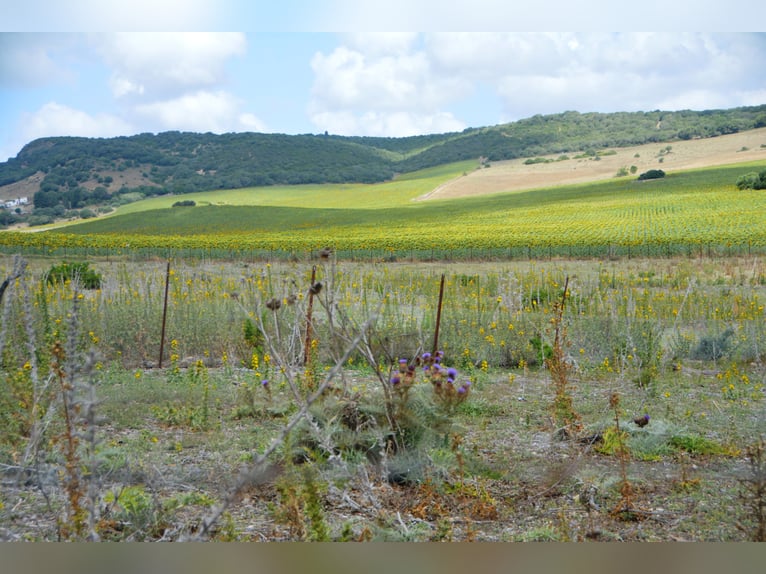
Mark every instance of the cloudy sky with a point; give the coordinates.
(66, 70)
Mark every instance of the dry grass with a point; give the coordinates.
(514, 175)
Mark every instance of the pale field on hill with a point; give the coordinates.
(514, 175)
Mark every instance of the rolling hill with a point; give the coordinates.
(71, 173)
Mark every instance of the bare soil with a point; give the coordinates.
(515, 175)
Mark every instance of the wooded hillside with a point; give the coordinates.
(66, 173)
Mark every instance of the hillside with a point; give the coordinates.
(521, 174)
(67, 176)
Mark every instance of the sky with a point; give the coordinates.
(101, 69)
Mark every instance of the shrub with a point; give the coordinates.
(713, 347)
(651, 174)
(185, 203)
(752, 180)
(82, 272)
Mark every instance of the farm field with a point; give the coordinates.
(686, 212)
(231, 421)
(522, 174)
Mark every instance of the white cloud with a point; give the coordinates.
(30, 60)
(162, 65)
(553, 15)
(382, 85)
(388, 124)
(54, 119)
(201, 111)
(381, 43)
(380, 82)
(94, 15)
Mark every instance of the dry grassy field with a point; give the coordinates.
(515, 175)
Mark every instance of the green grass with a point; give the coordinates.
(395, 193)
(695, 205)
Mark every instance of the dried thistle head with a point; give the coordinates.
(614, 399)
(273, 304)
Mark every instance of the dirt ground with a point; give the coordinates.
(514, 175)
(521, 482)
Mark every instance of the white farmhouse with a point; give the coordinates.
(11, 203)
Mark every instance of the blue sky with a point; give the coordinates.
(99, 69)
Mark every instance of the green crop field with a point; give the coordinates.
(685, 212)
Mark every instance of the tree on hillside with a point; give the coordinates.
(752, 180)
(651, 174)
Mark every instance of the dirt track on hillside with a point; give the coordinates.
(514, 175)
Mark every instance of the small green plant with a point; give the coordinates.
(251, 334)
(81, 272)
(713, 347)
(543, 350)
(698, 445)
(197, 415)
(540, 534)
(132, 514)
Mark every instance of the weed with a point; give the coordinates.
(697, 445)
(564, 414)
(197, 416)
(753, 493)
(79, 272)
(713, 347)
(625, 509)
(133, 514)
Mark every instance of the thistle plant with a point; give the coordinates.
(447, 392)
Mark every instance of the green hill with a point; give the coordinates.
(63, 175)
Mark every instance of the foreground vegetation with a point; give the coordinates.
(269, 401)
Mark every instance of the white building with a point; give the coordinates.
(11, 203)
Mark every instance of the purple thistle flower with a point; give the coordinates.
(452, 372)
(461, 390)
(426, 356)
(265, 382)
(395, 380)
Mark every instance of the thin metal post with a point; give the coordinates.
(164, 315)
(438, 315)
